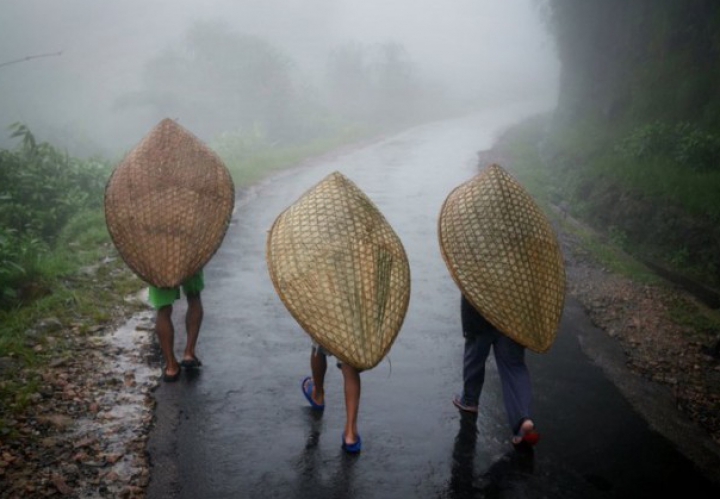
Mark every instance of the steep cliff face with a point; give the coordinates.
(639, 60)
(635, 140)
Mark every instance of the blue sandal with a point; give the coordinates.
(307, 389)
(353, 448)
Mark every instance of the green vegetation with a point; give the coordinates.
(52, 236)
(633, 147)
(42, 189)
(683, 159)
(654, 189)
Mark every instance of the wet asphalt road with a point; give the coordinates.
(241, 427)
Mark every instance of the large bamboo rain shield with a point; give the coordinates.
(504, 255)
(341, 271)
(168, 205)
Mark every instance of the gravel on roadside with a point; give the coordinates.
(84, 434)
(657, 346)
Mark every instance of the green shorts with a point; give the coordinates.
(162, 297)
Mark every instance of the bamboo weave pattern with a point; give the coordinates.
(168, 205)
(504, 255)
(341, 271)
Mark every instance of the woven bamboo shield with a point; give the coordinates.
(341, 271)
(168, 205)
(504, 255)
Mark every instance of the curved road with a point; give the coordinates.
(241, 427)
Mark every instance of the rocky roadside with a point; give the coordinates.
(658, 346)
(85, 433)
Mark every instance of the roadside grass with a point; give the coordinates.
(661, 172)
(611, 256)
(703, 321)
(82, 288)
(668, 181)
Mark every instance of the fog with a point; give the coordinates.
(98, 94)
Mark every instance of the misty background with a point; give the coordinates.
(284, 70)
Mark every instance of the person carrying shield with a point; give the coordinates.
(313, 388)
(342, 272)
(504, 256)
(480, 337)
(168, 205)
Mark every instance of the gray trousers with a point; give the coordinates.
(480, 336)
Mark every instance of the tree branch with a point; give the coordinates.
(7, 63)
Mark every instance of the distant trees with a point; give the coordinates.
(219, 80)
(376, 83)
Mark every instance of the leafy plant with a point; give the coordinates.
(683, 143)
(681, 257)
(19, 257)
(41, 188)
(617, 236)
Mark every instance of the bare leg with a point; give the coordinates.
(318, 365)
(166, 337)
(193, 321)
(352, 402)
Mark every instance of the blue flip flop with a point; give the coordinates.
(353, 448)
(307, 389)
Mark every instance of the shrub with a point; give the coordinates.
(684, 143)
(41, 188)
(19, 257)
